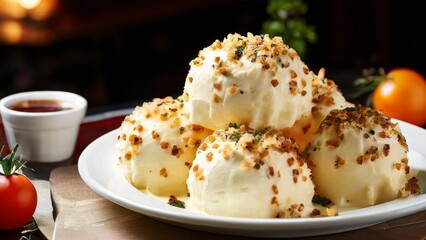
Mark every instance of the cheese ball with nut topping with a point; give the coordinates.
(358, 158)
(240, 172)
(156, 146)
(253, 80)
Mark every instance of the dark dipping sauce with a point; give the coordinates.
(42, 105)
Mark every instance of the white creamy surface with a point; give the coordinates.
(152, 164)
(339, 176)
(245, 95)
(228, 183)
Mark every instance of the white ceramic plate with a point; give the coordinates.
(98, 168)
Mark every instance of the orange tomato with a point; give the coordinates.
(402, 96)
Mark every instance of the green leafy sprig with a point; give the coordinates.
(366, 84)
(9, 164)
(286, 20)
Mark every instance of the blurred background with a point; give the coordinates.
(115, 52)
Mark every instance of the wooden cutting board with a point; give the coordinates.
(83, 214)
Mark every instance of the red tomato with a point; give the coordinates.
(18, 201)
(403, 96)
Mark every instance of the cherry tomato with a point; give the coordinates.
(402, 96)
(18, 201)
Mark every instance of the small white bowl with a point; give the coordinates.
(43, 136)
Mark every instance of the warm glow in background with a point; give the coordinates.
(21, 20)
(114, 51)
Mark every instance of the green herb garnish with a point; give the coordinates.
(254, 57)
(175, 202)
(323, 201)
(9, 164)
(239, 51)
(258, 135)
(365, 85)
(351, 109)
(235, 136)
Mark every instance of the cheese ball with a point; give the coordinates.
(156, 145)
(253, 80)
(358, 158)
(240, 172)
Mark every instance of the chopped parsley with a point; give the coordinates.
(174, 201)
(235, 136)
(254, 57)
(351, 109)
(258, 135)
(323, 201)
(239, 51)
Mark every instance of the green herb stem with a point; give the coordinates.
(9, 164)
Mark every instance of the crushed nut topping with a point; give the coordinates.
(163, 172)
(359, 118)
